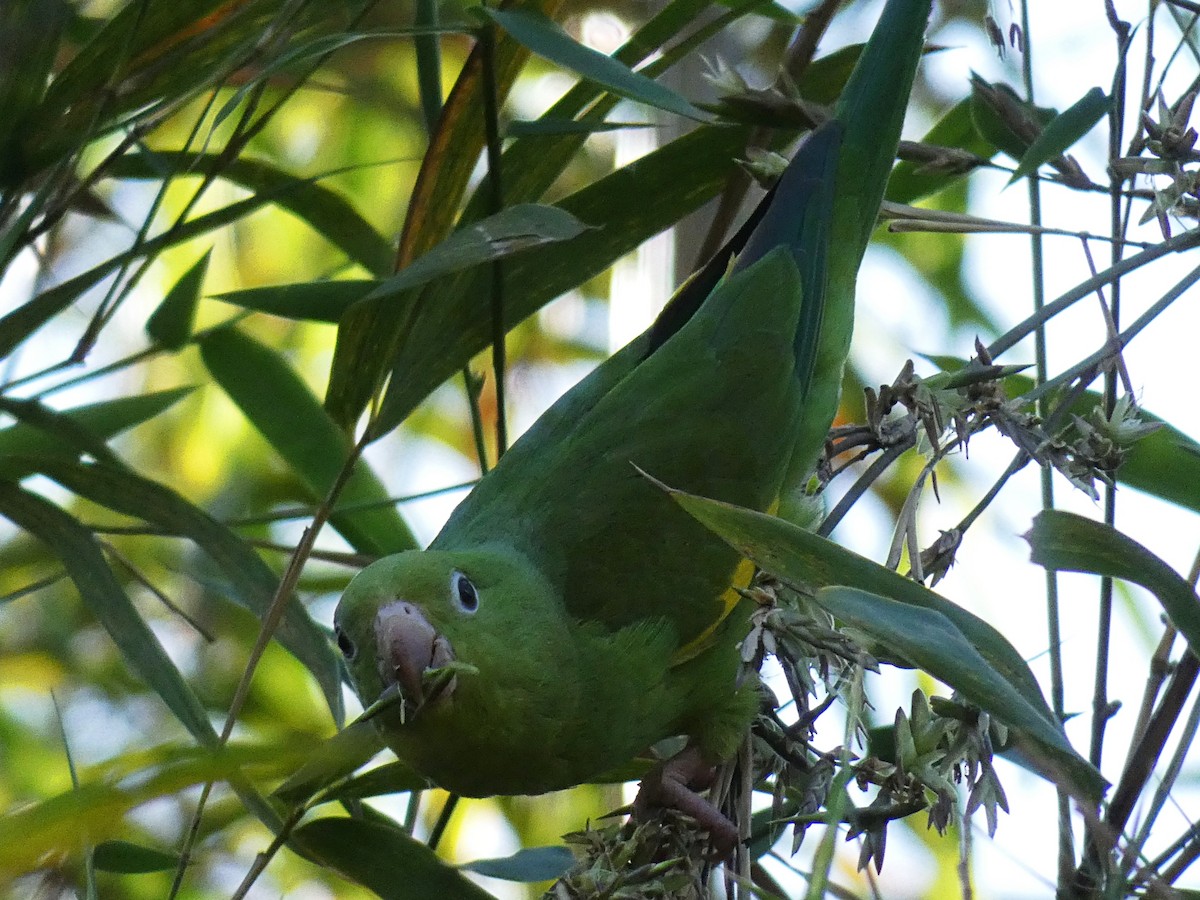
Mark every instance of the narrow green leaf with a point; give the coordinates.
(22, 441)
(395, 777)
(312, 301)
(553, 127)
(529, 865)
(1063, 130)
(458, 140)
(385, 859)
(275, 400)
(252, 580)
(825, 77)
(127, 858)
(802, 557)
(549, 41)
(79, 553)
(1062, 541)
(509, 231)
(325, 210)
(335, 758)
(995, 676)
(170, 325)
(68, 437)
(931, 642)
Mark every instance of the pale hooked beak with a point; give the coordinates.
(407, 646)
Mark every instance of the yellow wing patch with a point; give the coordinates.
(728, 600)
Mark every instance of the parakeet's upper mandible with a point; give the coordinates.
(569, 614)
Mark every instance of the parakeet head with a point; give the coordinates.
(414, 612)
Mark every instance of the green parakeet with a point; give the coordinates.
(569, 614)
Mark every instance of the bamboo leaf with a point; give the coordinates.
(998, 678)
(549, 41)
(528, 866)
(512, 230)
(252, 580)
(278, 403)
(312, 301)
(79, 553)
(326, 211)
(1064, 542)
(335, 758)
(171, 322)
(23, 441)
(1063, 130)
(385, 859)
(95, 811)
(127, 858)
(933, 643)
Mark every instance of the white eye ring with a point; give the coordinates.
(463, 593)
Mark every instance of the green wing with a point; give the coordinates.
(707, 398)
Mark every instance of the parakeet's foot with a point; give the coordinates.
(674, 783)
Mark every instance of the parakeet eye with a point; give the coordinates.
(463, 593)
(349, 650)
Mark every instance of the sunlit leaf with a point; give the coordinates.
(548, 40)
(171, 323)
(94, 812)
(278, 403)
(313, 301)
